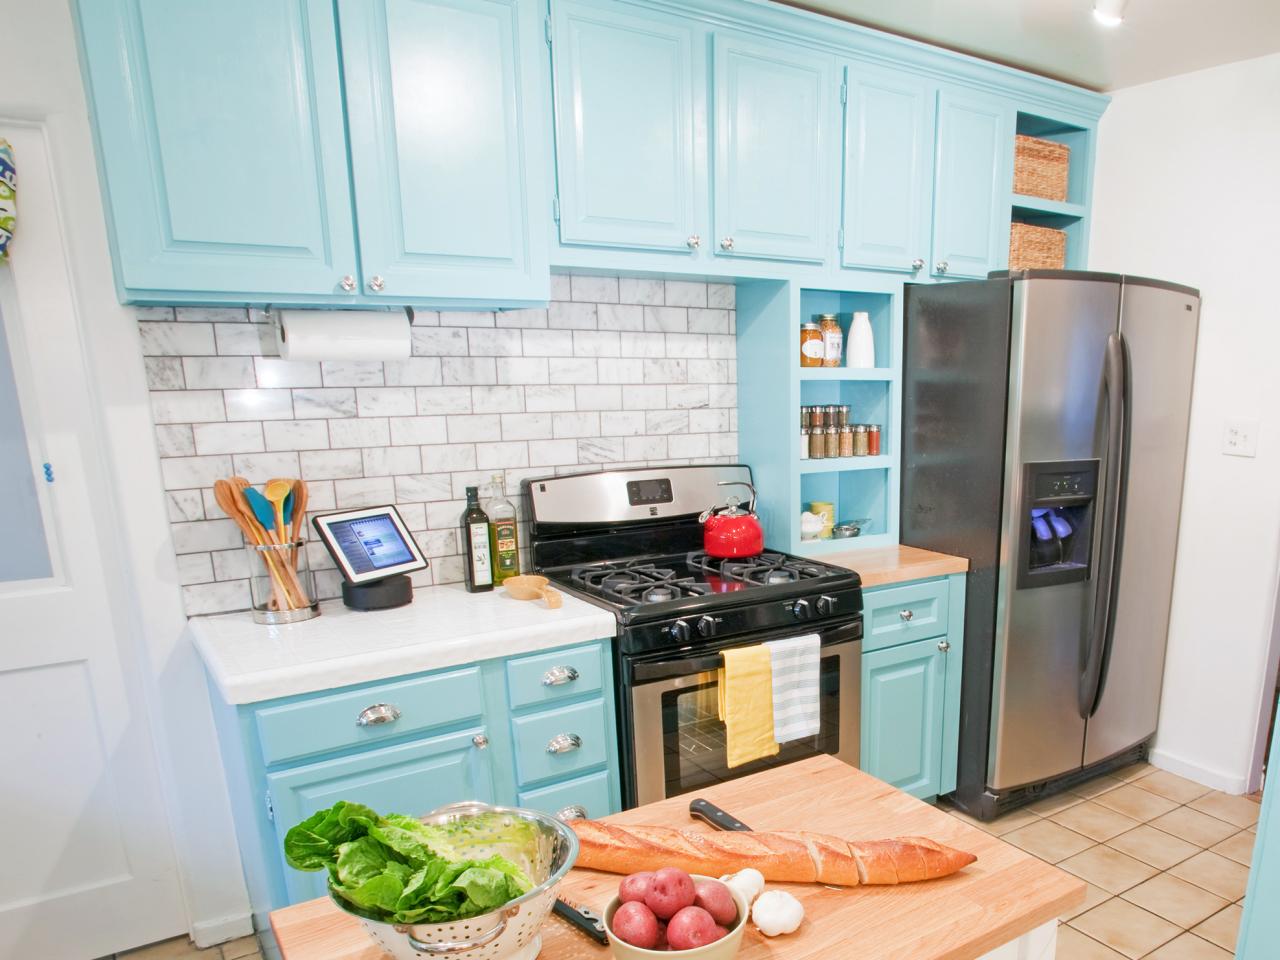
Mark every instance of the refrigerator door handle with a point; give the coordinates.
(1111, 525)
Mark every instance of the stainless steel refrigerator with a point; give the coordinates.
(1044, 437)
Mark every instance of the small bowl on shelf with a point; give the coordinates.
(849, 529)
(726, 948)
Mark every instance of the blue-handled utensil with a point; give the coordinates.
(263, 509)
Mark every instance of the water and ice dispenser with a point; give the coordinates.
(1058, 498)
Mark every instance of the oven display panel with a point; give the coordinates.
(643, 493)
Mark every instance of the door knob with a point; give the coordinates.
(480, 741)
(726, 243)
(941, 266)
(564, 743)
(907, 614)
(694, 242)
(347, 283)
(376, 283)
(377, 715)
(917, 264)
(944, 645)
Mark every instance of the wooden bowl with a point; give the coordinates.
(533, 587)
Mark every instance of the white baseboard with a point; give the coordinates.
(206, 933)
(1226, 782)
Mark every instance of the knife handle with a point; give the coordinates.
(705, 810)
(586, 921)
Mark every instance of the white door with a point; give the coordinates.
(87, 866)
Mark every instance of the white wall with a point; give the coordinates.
(40, 82)
(1188, 189)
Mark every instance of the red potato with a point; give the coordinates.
(635, 886)
(662, 937)
(636, 924)
(720, 932)
(692, 927)
(715, 898)
(670, 890)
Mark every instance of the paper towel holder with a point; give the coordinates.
(281, 319)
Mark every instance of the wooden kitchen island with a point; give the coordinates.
(1004, 906)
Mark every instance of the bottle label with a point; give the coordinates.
(481, 573)
(833, 345)
(506, 556)
(813, 348)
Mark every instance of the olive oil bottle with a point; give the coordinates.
(477, 567)
(504, 546)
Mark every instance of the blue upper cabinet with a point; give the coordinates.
(774, 131)
(973, 178)
(221, 144)
(630, 127)
(442, 96)
(888, 160)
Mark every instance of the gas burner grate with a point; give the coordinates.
(765, 569)
(637, 582)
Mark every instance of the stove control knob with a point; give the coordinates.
(802, 610)
(709, 626)
(680, 631)
(827, 605)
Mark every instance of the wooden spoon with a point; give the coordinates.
(229, 498)
(276, 491)
(299, 513)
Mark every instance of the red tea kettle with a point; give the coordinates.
(728, 531)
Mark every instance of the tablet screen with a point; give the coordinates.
(369, 544)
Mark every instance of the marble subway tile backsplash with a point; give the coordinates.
(615, 371)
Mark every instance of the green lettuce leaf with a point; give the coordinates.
(313, 842)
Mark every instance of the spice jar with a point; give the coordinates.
(804, 443)
(831, 416)
(860, 440)
(832, 340)
(873, 439)
(831, 448)
(817, 443)
(846, 441)
(812, 345)
(842, 415)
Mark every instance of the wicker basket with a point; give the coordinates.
(1040, 168)
(1036, 248)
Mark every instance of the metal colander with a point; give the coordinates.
(511, 931)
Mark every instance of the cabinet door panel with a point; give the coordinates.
(625, 95)
(888, 156)
(441, 113)
(902, 716)
(973, 176)
(412, 778)
(221, 142)
(773, 123)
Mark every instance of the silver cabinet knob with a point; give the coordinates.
(694, 242)
(906, 614)
(940, 266)
(574, 811)
(347, 283)
(917, 264)
(564, 743)
(726, 243)
(480, 741)
(376, 283)
(378, 714)
(944, 645)
(559, 676)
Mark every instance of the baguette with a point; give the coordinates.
(785, 856)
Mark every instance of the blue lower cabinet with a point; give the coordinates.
(561, 743)
(589, 796)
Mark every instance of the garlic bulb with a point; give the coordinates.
(777, 912)
(747, 882)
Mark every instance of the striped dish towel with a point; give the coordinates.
(795, 687)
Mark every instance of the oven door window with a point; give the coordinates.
(693, 738)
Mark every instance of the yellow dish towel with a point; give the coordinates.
(745, 685)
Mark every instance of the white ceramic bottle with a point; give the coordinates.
(862, 343)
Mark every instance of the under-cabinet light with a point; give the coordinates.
(1109, 13)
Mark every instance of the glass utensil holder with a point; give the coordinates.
(281, 583)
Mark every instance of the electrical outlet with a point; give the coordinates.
(1240, 438)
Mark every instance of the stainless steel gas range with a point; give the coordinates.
(630, 541)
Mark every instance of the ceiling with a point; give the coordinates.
(1060, 38)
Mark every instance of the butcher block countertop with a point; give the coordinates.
(1002, 896)
(880, 566)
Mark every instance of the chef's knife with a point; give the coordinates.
(583, 919)
(704, 810)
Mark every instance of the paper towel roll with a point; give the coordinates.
(342, 335)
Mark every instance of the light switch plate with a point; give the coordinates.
(1240, 438)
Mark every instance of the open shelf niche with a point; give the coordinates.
(1070, 215)
(772, 386)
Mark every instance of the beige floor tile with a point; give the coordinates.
(1094, 820)
(1048, 841)
(1166, 784)
(1009, 822)
(1109, 869)
(1215, 873)
(179, 948)
(238, 949)
(1194, 826)
(1050, 805)
(1153, 846)
(1189, 947)
(1126, 928)
(1074, 945)
(1176, 900)
(1136, 803)
(1238, 848)
(1222, 928)
(1135, 771)
(1093, 896)
(1241, 811)
(1091, 788)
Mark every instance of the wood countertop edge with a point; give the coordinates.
(884, 566)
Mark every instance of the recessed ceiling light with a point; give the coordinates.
(1109, 13)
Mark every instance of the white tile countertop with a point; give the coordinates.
(443, 627)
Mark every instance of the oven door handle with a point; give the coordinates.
(643, 672)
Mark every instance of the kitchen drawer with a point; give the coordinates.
(551, 677)
(534, 734)
(592, 793)
(896, 615)
(320, 724)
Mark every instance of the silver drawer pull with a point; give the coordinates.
(564, 743)
(575, 811)
(944, 645)
(377, 714)
(906, 614)
(480, 741)
(559, 676)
